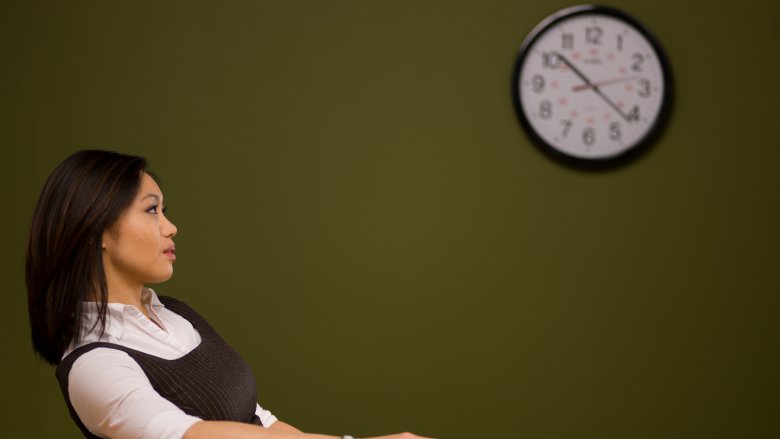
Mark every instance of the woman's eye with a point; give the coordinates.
(155, 208)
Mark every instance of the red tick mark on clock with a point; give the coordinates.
(563, 101)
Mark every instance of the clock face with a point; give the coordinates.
(591, 85)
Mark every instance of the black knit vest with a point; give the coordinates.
(211, 382)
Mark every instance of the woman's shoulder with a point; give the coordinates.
(93, 357)
(101, 356)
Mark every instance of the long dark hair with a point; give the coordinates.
(85, 195)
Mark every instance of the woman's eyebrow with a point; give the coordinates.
(151, 195)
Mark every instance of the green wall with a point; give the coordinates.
(361, 215)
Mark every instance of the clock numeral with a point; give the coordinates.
(545, 109)
(644, 90)
(589, 136)
(566, 127)
(567, 41)
(551, 60)
(537, 83)
(593, 34)
(638, 60)
(620, 43)
(614, 131)
(633, 115)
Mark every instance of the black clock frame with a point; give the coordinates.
(605, 162)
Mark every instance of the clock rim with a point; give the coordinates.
(655, 130)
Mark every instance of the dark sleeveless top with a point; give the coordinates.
(211, 382)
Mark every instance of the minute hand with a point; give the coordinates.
(592, 86)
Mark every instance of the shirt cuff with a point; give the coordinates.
(266, 418)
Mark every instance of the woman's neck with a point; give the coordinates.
(128, 295)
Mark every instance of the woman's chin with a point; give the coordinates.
(161, 277)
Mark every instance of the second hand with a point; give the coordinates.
(605, 82)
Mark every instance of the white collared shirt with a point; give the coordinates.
(108, 389)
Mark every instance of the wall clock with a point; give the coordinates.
(592, 86)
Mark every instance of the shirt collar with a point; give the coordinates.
(116, 312)
(149, 297)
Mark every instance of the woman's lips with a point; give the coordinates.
(170, 252)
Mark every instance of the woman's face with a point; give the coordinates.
(139, 249)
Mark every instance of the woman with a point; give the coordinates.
(130, 364)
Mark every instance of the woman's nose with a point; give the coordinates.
(170, 229)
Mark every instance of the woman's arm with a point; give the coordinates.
(279, 425)
(113, 397)
(237, 430)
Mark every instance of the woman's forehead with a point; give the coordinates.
(149, 187)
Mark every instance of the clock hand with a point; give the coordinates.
(575, 70)
(600, 83)
(592, 86)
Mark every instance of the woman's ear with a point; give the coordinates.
(105, 238)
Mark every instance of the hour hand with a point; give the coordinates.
(577, 71)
